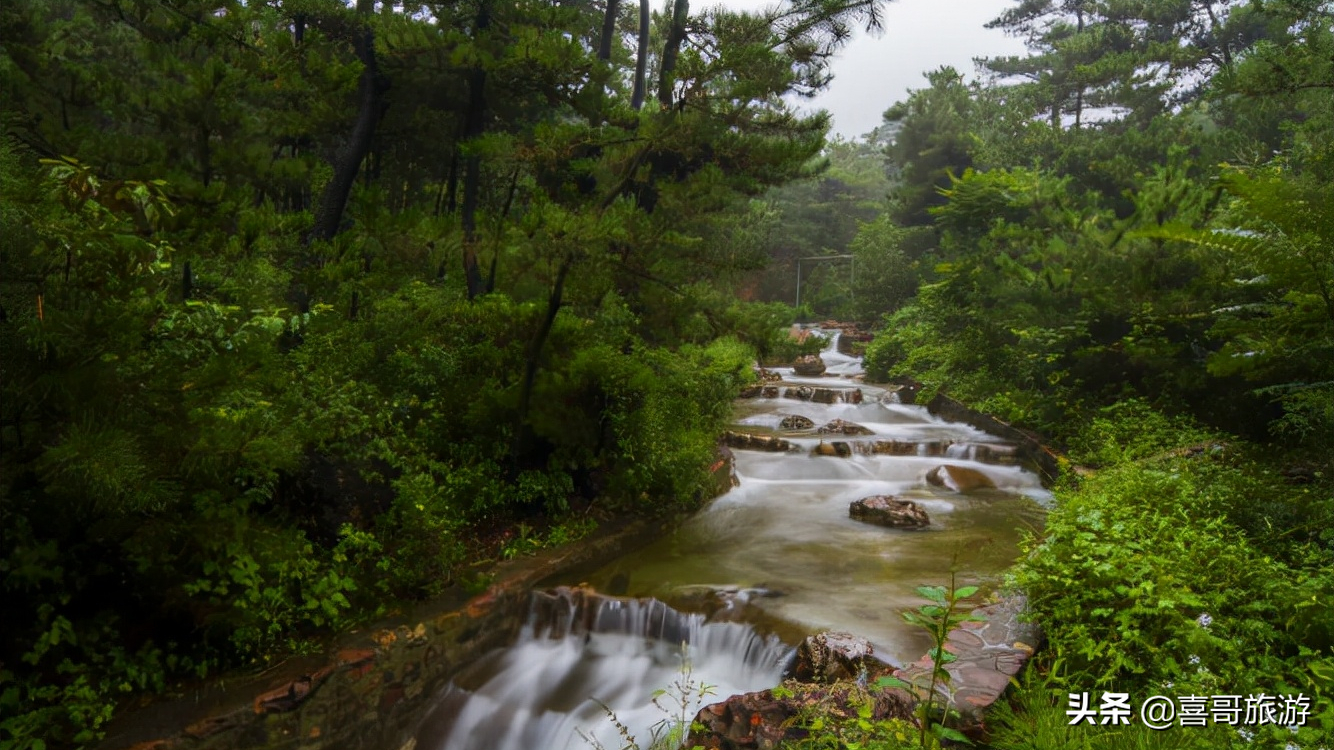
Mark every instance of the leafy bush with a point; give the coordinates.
(1182, 567)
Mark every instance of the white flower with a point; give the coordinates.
(1246, 734)
(1194, 659)
(1204, 620)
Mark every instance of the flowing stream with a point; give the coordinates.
(772, 560)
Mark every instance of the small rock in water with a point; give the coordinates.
(796, 422)
(887, 510)
(837, 448)
(810, 365)
(959, 478)
(845, 428)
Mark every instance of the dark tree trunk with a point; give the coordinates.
(608, 29)
(372, 87)
(473, 126)
(449, 192)
(641, 57)
(533, 357)
(675, 36)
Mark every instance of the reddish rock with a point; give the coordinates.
(835, 448)
(959, 478)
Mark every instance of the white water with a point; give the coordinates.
(552, 693)
(784, 528)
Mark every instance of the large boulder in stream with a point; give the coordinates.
(841, 427)
(796, 422)
(959, 478)
(887, 510)
(809, 366)
(832, 656)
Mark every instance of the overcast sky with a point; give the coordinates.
(871, 73)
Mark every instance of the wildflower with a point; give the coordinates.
(1204, 620)
(1194, 659)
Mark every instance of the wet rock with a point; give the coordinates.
(959, 478)
(796, 422)
(800, 393)
(831, 656)
(911, 447)
(887, 510)
(770, 391)
(809, 366)
(767, 376)
(746, 441)
(988, 649)
(761, 721)
(826, 396)
(753, 391)
(841, 427)
(853, 396)
(993, 453)
(837, 448)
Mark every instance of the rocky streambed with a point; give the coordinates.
(846, 500)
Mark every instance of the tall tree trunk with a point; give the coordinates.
(473, 125)
(533, 357)
(675, 36)
(1079, 91)
(641, 57)
(449, 192)
(608, 29)
(347, 161)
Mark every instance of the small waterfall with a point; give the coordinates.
(581, 651)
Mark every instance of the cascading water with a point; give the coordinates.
(578, 658)
(783, 531)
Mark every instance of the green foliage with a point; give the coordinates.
(1034, 718)
(828, 728)
(937, 618)
(1179, 567)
